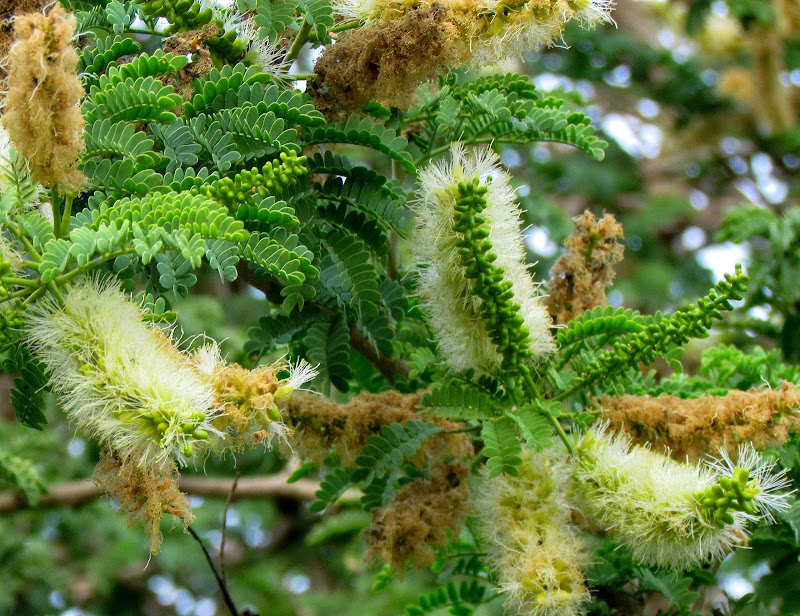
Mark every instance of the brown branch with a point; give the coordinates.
(77, 493)
(387, 366)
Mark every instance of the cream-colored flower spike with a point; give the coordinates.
(669, 513)
(444, 290)
(538, 556)
(121, 379)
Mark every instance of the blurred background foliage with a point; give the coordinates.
(698, 100)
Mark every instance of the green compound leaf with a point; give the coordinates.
(106, 139)
(502, 446)
(462, 599)
(331, 488)
(346, 271)
(366, 133)
(277, 328)
(141, 100)
(459, 401)
(383, 454)
(93, 60)
(535, 428)
(20, 474)
(274, 17)
(27, 397)
(328, 346)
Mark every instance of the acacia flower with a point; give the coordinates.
(537, 554)
(492, 30)
(43, 115)
(670, 513)
(120, 379)
(247, 399)
(456, 313)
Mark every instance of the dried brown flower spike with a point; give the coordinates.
(696, 427)
(580, 277)
(385, 62)
(43, 116)
(144, 493)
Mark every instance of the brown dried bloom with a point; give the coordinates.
(696, 427)
(580, 277)
(385, 62)
(9, 8)
(145, 494)
(43, 116)
(423, 511)
(321, 426)
(420, 515)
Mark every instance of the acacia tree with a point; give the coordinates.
(502, 431)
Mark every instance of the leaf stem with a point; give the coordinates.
(16, 230)
(299, 42)
(347, 26)
(66, 214)
(55, 203)
(533, 392)
(21, 282)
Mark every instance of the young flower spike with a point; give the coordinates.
(121, 379)
(669, 513)
(474, 285)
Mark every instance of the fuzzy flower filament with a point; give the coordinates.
(494, 30)
(669, 513)
(475, 288)
(537, 555)
(748, 486)
(120, 379)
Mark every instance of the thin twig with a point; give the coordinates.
(225, 527)
(226, 597)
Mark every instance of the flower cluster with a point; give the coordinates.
(154, 407)
(121, 379)
(404, 43)
(669, 513)
(474, 285)
(537, 554)
(490, 31)
(43, 116)
(126, 384)
(259, 51)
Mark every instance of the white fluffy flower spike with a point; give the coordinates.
(537, 554)
(445, 290)
(121, 379)
(670, 513)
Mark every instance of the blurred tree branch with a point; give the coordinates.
(80, 492)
